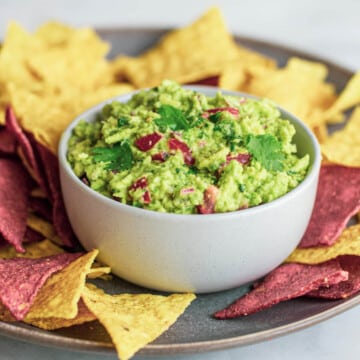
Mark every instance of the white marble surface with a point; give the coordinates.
(327, 28)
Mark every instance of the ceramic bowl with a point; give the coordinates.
(190, 253)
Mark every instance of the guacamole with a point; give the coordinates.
(171, 149)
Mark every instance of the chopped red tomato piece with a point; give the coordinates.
(160, 156)
(147, 142)
(231, 110)
(176, 144)
(142, 184)
(139, 184)
(240, 158)
(210, 195)
(147, 197)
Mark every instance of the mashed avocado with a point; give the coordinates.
(174, 150)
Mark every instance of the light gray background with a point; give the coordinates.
(327, 28)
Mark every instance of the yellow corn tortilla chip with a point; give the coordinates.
(47, 116)
(321, 132)
(53, 323)
(53, 75)
(2, 116)
(343, 147)
(348, 98)
(232, 77)
(33, 250)
(99, 272)
(41, 115)
(195, 52)
(5, 314)
(300, 92)
(134, 320)
(347, 244)
(235, 73)
(308, 68)
(104, 93)
(249, 58)
(78, 62)
(118, 66)
(18, 44)
(54, 33)
(43, 227)
(61, 293)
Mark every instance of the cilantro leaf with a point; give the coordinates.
(171, 118)
(214, 118)
(267, 150)
(227, 130)
(119, 157)
(122, 121)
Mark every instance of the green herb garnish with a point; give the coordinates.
(242, 187)
(228, 132)
(122, 121)
(171, 118)
(119, 157)
(214, 118)
(193, 170)
(267, 150)
(195, 122)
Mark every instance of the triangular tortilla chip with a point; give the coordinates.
(61, 293)
(21, 279)
(134, 320)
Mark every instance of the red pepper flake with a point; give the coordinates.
(176, 144)
(210, 195)
(147, 142)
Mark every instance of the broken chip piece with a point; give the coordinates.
(343, 289)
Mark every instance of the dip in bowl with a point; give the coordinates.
(189, 189)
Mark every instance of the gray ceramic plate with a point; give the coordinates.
(196, 330)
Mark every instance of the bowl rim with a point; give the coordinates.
(309, 178)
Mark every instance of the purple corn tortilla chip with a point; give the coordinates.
(21, 279)
(41, 207)
(15, 184)
(60, 219)
(337, 200)
(286, 282)
(13, 127)
(45, 166)
(210, 81)
(32, 235)
(7, 142)
(351, 264)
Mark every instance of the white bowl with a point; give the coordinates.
(190, 253)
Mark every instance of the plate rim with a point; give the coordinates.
(50, 339)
